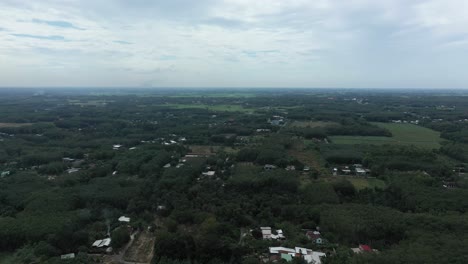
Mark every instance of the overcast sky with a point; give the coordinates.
(235, 43)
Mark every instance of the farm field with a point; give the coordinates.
(403, 134)
(220, 108)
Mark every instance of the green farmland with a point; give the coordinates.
(220, 108)
(403, 134)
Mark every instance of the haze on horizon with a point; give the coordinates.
(234, 43)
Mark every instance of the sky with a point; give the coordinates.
(234, 43)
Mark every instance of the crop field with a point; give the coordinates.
(220, 108)
(403, 134)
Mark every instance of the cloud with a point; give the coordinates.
(122, 42)
(52, 37)
(56, 23)
(320, 43)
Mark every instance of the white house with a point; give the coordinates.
(124, 219)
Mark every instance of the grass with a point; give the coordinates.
(15, 124)
(363, 183)
(402, 134)
(219, 108)
(312, 124)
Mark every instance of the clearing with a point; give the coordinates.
(15, 124)
(362, 183)
(402, 134)
(141, 250)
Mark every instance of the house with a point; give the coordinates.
(124, 219)
(102, 243)
(167, 165)
(68, 256)
(291, 168)
(73, 170)
(116, 146)
(277, 253)
(315, 236)
(361, 172)
(67, 159)
(269, 167)
(209, 173)
(4, 173)
(363, 248)
(268, 234)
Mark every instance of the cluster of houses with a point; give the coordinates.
(268, 167)
(356, 169)
(284, 253)
(276, 120)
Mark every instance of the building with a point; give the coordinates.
(269, 167)
(124, 219)
(315, 236)
(363, 248)
(102, 243)
(68, 256)
(268, 234)
(311, 257)
(209, 173)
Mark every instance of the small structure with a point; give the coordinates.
(4, 173)
(362, 248)
(268, 234)
(73, 170)
(269, 167)
(102, 243)
(68, 256)
(167, 165)
(361, 171)
(124, 219)
(116, 146)
(209, 173)
(291, 168)
(315, 236)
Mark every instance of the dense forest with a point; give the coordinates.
(196, 174)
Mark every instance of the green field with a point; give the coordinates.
(402, 134)
(362, 183)
(220, 108)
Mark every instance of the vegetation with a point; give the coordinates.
(199, 172)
